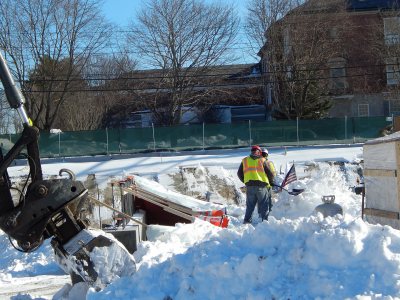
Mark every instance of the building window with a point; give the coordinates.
(289, 72)
(337, 74)
(392, 30)
(363, 110)
(264, 61)
(392, 71)
(286, 41)
(394, 107)
(333, 33)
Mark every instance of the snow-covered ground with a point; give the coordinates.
(296, 254)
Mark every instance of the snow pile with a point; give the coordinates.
(308, 258)
(323, 179)
(296, 254)
(55, 131)
(18, 264)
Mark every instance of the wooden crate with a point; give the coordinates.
(382, 181)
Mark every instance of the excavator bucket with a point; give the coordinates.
(94, 257)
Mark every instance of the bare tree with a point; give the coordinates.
(65, 33)
(88, 116)
(4, 119)
(104, 94)
(261, 14)
(182, 39)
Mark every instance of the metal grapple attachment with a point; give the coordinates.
(43, 209)
(95, 257)
(50, 208)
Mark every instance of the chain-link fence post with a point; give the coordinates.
(107, 140)
(59, 144)
(345, 128)
(393, 121)
(154, 138)
(250, 142)
(203, 138)
(297, 126)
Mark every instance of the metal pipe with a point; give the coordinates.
(154, 138)
(13, 94)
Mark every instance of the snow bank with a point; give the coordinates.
(307, 258)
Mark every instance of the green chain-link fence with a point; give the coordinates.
(206, 136)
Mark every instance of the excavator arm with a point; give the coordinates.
(43, 209)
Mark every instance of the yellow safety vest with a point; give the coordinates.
(253, 169)
(271, 166)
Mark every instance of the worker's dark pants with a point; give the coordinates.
(256, 195)
(269, 205)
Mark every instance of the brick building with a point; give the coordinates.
(353, 56)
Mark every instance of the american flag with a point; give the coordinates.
(290, 176)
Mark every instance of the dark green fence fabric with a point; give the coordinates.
(368, 127)
(179, 137)
(275, 132)
(206, 136)
(226, 135)
(327, 129)
(137, 140)
(73, 143)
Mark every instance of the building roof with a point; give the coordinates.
(365, 5)
(318, 6)
(394, 137)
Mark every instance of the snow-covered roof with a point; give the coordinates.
(394, 137)
(193, 204)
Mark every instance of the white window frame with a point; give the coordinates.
(361, 107)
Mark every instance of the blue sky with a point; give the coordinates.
(121, 12)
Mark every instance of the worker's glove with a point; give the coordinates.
(276, 189)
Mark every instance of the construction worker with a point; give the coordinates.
(271, 166)
(254, 173)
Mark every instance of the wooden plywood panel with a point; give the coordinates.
(381, 193)
(381, 213)
(380, 173)
(380, 156)
(396, 123)
(397, 147)
(382, 183)
(382, 220)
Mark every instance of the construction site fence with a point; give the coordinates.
(207, 136)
